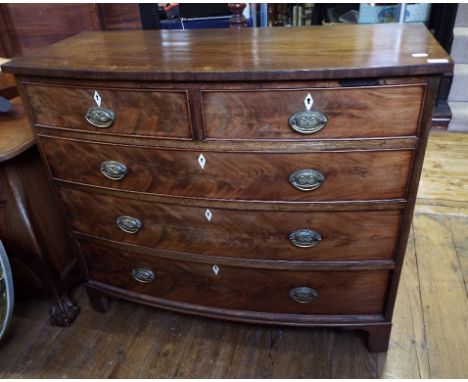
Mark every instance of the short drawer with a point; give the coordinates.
(326, 176)
(387, 111)
(269, 235)
(260, 290)
(139, 112)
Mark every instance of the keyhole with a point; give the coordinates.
(308, 101)
(97, 98)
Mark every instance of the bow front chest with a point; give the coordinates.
(258, 175)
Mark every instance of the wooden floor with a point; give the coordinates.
(429, 338)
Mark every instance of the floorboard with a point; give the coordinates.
(407, 355)
(443, 294)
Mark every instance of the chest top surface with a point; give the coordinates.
(263, 54)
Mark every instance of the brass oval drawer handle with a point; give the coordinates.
(129, 224)
(305, 238)
(308, 122)
(113, 170)
(143, 275)
(303, 295)
(306, 179)
(100, 117)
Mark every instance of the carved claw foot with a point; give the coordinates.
(64, 312)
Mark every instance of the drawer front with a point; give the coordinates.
(350, 113)
(270, 235)
(162, 114)
(261, 290)
(242, 176)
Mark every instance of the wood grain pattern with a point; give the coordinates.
(232, 233)
(407, 355)
(426, 121)
(252, 289)
(43, 261)
(250, 176)
(434, 255)
(351, 112)
(360, 205)
(338, 51)
(251, 173)
(144, 113)
(444, 181)
(438, 277)
(8, 87)
(119, 16)
(135, 341)
(29, 27)
(25, 28)
(460, 241)
(289, 265)
(371, 144)
(35, 235)
(16, 135)
(3, 41)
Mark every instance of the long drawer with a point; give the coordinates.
(357, 235)
(139, 112)
(387, 111)
(260, 290)
(319, 176)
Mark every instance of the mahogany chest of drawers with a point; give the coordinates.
(259, 175)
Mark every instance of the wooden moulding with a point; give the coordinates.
(359, 205)
(373, 264)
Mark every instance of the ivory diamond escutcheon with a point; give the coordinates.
(308, 102)
(201, 161)
(97, 98)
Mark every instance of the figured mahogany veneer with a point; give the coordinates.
(256, 290)
(161, 113)
(205, 212)
(352, 112)
(247, 176)
(359, 235)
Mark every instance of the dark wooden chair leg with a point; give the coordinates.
(98, 300)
